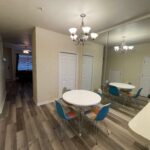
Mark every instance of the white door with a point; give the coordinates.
(87, 70)
(67, 71)
(145, 77)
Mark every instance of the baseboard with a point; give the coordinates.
(45, 102)
(3, 102)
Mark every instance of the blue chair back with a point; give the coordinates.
(60, 110)
(114, 90)
(103, 112)
(138, 93)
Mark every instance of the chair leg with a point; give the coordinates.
(61, 130)
(108, 132)
(96, 132)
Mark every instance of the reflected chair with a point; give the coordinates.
(98, 115)
(100, 92)
(136, 96)
(114, 92)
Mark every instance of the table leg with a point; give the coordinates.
(80, 123)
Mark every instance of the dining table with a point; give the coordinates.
(81, 99)
(140, 125)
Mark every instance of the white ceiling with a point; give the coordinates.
(18, 17)
(137, 32)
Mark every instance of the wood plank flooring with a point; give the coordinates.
(25, 126)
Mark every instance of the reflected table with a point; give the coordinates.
(124, 86)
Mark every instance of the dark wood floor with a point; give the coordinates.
(24, 126)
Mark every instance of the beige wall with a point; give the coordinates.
(46, 47)
(2, 78)
(130, 64)
(95, 50)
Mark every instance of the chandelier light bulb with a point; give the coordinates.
(94, 36)
(86, 29)
(116, 48)
(85, 37)
(73, 31)
(73, 37)
(26, 51)
(131, 47)
(125, 47)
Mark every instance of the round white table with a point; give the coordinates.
(122, 85)
(81, 98)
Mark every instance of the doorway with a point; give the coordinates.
(24, 67)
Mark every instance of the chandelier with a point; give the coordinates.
(123, 47)
(83, 34)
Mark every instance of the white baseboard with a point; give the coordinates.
(2, 103)
(45, 102)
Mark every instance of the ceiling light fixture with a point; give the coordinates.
(123, 47)
(26, 51)
(84, 34)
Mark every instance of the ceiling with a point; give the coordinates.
(19, 17)
(137, 32)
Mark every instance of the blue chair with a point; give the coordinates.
(136, 96)
(114, 91)
(138, 93)
(99, 115)
(65, 116)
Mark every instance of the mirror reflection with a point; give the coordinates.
(125, 68)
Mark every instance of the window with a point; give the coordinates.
(24, 62)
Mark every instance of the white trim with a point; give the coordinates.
(2, 103)
(45, 102)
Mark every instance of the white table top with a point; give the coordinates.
(122, 85)
(81, 98)
(140, 124)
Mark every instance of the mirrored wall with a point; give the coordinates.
(120, 55)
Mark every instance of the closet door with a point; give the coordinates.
(87, 71)
(67, 71)
(145, 77)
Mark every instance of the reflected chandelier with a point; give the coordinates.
(123, 47)
(84, 33)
